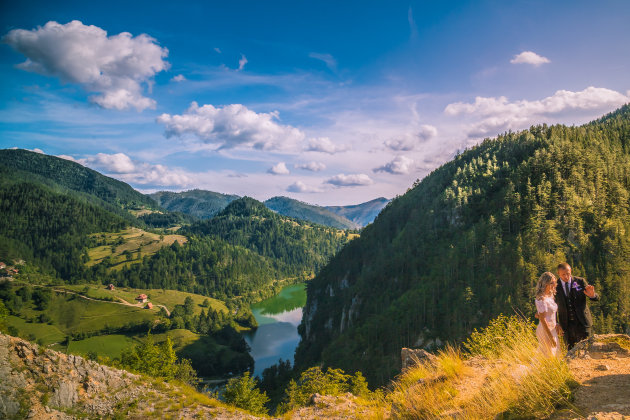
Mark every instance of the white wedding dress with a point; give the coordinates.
(547, 307)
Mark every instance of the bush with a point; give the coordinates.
(243, 393)
(330, 382)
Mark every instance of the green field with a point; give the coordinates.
(48, 334)
(110, 346)
(168, 298)
(128, 246)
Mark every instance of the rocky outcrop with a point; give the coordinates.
(39, 383)
(411, 357)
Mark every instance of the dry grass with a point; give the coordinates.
(511, 380)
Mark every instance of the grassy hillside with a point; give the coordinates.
(471, 239)
(128, 246)
(304, 211)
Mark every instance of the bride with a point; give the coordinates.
(547, 330)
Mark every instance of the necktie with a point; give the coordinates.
(566, 287)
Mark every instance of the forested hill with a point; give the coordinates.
(316, 214)
(56, 172)
(471, 239)
(246, 250)
(198, 203)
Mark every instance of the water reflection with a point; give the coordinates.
(277, 336)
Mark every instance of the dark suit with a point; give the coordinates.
(580, 327)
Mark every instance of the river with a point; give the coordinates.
(278, 318)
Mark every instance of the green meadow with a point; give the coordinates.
(127, 246)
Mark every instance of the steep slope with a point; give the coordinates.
(361, 214)
(44, 384)
(198, 203)
(57, 172)
(304, 211)
(469, 242)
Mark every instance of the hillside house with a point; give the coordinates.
(149, 306)
(142, 298)
(2, 266)
(110, 287)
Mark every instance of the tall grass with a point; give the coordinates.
(508, 377)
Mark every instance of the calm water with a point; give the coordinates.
(278, 318)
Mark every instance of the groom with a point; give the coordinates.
(573, 313)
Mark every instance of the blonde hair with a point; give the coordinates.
(545, 279)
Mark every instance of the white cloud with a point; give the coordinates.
(218, 50)
(529, 57)
(114, 66)
(409, 142)
(279, 169)
(178, 78)
(300, 187)
(242, 62)
(311, 166)
(231, 126)
(399, 166)
(351, 180)
(499, 114)
(328, 59)
(323, 144)
(124, 168)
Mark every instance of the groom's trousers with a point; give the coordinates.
(575, 333)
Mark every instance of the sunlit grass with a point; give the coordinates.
(510, 379)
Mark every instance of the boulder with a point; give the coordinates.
(411, 357)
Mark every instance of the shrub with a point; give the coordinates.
(243, 393)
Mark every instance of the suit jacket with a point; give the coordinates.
(576, 291)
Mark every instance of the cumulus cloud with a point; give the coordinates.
(300, 187)
(178, 78)
(351, 180)
(324, 145)
(499, 114)
(279, 169)
(123, 167)
(311, 166)
(242, 62)
(114, 66)
(398, 166)
(409, 142)
(529, 57)
(328, 59)
(231, 126)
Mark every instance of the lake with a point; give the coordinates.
(278, 318)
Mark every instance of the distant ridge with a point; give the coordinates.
(316, 214)
(361, 214)
(198, 203)
(205, 204)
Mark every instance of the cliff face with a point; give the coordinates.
(44, 384)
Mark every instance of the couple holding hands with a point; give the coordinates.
(567, 299)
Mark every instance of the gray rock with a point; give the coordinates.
(411, 357)
(65, 395)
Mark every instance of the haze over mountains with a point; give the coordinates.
(205, 204)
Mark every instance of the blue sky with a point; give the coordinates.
(326, 102)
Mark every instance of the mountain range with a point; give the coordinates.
(205, 204)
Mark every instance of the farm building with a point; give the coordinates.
(142, 298)
(110, 287)
(149, 306)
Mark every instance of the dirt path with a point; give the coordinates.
(122, 301)
(604, 391)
